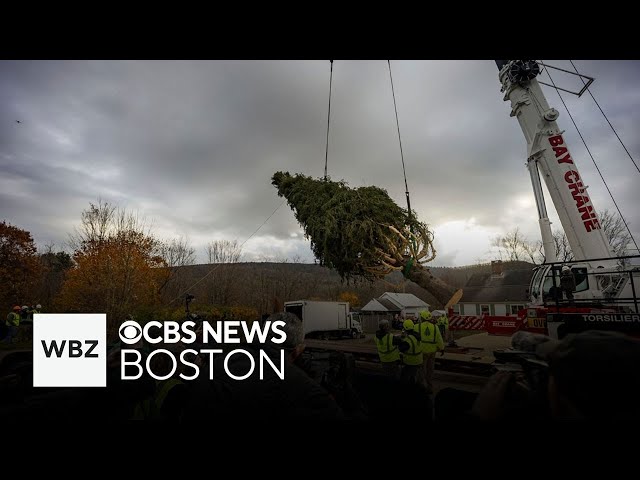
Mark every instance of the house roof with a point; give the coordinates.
(380, 305)
(510, 286)
(404, 300)
(373, 306)
(389, 305)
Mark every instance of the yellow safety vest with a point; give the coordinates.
(430, 337)
(13, 319)
(386, 349)
(413, 356)
(443, 320)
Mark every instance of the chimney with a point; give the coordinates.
(496, 267)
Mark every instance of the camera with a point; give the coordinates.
(527, 395)
(332, 370)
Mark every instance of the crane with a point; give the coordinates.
(605, 295)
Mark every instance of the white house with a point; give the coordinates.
(496, 293)
(406, 304)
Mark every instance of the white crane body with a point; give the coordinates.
(603, 285)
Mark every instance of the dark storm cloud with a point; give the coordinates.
(193, 145)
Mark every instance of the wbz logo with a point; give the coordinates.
(69, 350)
(75, 348)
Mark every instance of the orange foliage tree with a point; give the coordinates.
(117, 271)
(351, 297)
(18, 266)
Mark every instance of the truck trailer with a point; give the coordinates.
(325, 319)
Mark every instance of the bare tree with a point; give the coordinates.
(512, 242)
(221, 283)
(615, 232)
(562, 247)
(288, 277)
(178, 252)
(95, 224)
(533, 251)
(223, 251)
(514, 246)
(104, 221)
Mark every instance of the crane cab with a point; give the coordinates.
(545, 286)
(604, 297)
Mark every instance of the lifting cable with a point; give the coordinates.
(326, 153)
(406, 187)
(605, 117)
(239, 248)
(593, 159)
(411, 261)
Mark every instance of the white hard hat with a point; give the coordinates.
(25, 307)
(38, 306)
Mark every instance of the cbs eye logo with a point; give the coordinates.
(130, 332)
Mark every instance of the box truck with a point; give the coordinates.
(325, 319)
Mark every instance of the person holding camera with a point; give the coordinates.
(591, 375)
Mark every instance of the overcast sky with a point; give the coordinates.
(192, 145)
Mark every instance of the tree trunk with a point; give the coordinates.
(436, 287)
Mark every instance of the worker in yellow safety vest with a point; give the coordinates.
(411, 354)
(443, 325)
(430, 343)
(388, 351)
(12, 323)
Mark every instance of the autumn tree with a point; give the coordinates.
(350, 297)
(18, 265)
(118, 266)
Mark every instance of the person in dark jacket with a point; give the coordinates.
(590, 376)
(567, 282)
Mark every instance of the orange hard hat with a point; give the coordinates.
(17, 307)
